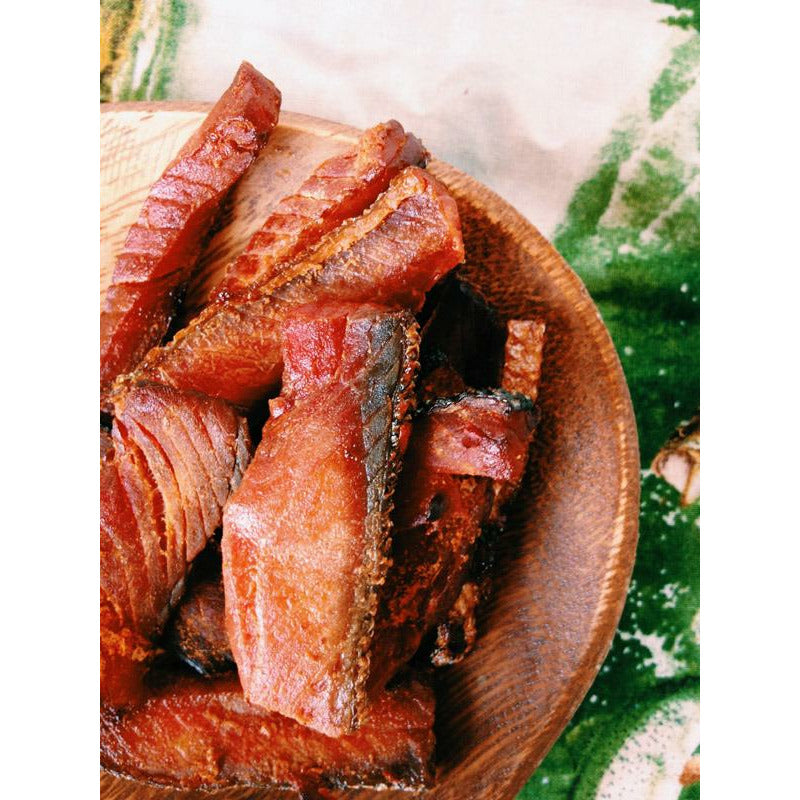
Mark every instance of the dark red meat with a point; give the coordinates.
(197, 733)
(391, 256)
(162, 247)
(305, 536)
(197, 630)
(484, 434)
(460, 449)
(339, 188)
(166, 471)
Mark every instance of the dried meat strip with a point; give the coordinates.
(459, 450)
(339, 188)
(163, 245)
(203, 734)
(522, 368)
(305, 536)
(166, 471)
(391, 255)
(483, 434)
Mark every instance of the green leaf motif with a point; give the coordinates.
(632, 233)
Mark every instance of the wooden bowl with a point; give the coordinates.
(568, 552)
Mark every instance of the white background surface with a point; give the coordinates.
(521, 95)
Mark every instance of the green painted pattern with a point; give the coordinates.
(143, 65)
(688, 15)
(632, 232)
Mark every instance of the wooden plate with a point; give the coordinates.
(567, 556)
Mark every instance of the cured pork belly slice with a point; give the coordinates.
(339, 188)
(166, 471)
(391, 255)
(163, 245)
(305, 537)
(459, 450)
(203, 734)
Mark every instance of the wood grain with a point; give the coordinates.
(566, 559)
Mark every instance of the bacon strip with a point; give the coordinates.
(202, 734)
(391, 255)
(339, 188)
(305, 536)
(166, 471)
(162, 247)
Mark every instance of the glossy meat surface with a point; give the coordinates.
(339, 188)
(305, 536)
(391, 255)
(484, 434)
(439, 518)
(166, 471)
(197, 733)
(445, 496)
(162, 246)
(455, 636)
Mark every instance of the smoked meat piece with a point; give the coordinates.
(391, 256)
(166, 471)
(438, 518)
(445, 495)
(523, 359)
(203, 734)
(197, 630)
(163, 245)
(483, 434)
(339, 188)
(305, 537)
(455, 636)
